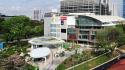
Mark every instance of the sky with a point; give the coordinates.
(26, 7)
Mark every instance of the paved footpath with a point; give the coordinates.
(52, 64)
(59, 60)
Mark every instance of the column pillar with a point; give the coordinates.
(36, 46)
(32, 47)
(45, 59)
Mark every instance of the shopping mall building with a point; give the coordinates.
(79, 27)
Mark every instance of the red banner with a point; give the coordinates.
(63, 17)
(72, 37)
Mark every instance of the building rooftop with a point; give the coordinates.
(45, 41)
(107, 18)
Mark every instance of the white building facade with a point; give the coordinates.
(78, 27)
(57, 26)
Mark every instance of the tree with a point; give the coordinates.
(38, 29)
(15, 27)
(20, 27)
(121, 40)
(110, 38)
(1, 20)
(27, 31)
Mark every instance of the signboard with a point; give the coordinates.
(63, 18)
(72, 37)
(71, 33)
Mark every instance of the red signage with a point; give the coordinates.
(63, 17)
(72, 37)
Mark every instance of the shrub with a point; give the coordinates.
(61, 67)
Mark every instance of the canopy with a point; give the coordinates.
(46, 41)
(40, 52)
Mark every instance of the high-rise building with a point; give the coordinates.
(85, 6)
(116, 7)
(37, 15)
(99, 7)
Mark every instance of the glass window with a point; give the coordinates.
(63, 30)
(40, 45)
(80, 37)
(94, 32)
(84, 37)
(53, 34)
(53, 25)
(53, 30)
(92, 37)
(84, 32)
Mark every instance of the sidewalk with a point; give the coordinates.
(59, 60)
(53, 62)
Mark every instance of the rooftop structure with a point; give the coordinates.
(107, 18)
(41, 45)
(44, 41)
(40, 53)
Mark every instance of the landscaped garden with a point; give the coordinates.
(78, 58)
(95, 62)
(12, 32)
(70, 46)
(11, 58)
(108, 39)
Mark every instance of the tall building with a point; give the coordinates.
(85, 6)
(116, 7)
(37, 15)
(99, 7)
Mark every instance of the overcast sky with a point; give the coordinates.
(26, 7)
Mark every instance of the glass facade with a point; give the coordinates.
(72, 34)
(87, 21)
(87, 28)
(55, 30)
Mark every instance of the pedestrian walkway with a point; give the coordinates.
(59, 60)
(53, 61)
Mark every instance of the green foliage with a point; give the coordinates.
(93, 63)
(61, 67)
(15, 27)
(110, 37)
(12, 50)
(77, 59)
(38, 29)
(1, 20)
(18, 22)
(20, 27)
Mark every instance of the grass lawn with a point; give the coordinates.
(93, 63)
